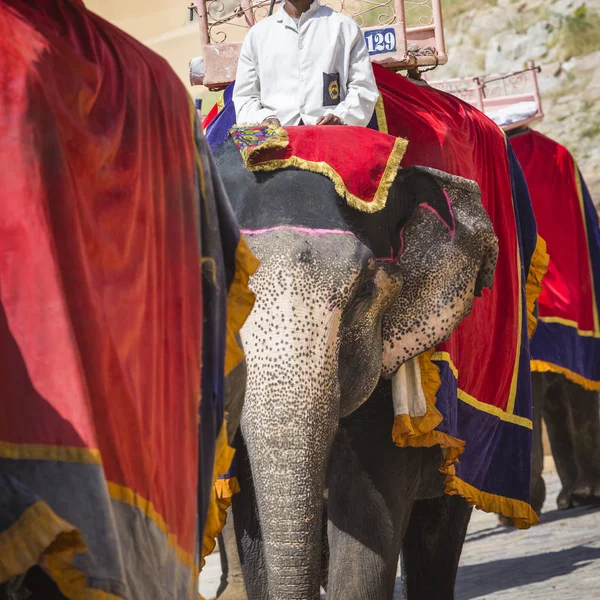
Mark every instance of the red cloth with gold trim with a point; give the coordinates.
(567, 339)
(108, 209)
(322, 150)
(485, 394)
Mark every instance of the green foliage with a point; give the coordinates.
(454, 8)
(580, 33)
(528, 17)
(592, 129)
(591, 132)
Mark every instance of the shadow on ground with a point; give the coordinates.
(551, 516)
(475, 581)
(573, 513)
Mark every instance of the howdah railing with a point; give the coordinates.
(511, 99)
(400, 34)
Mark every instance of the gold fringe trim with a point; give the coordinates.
(240, 301)
(380, 197)
(380, 115)
(533, 286)
(280, 142)
(419, 432)
(541, 366)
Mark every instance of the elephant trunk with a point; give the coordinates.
(289, 428)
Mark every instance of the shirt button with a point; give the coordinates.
(301, 46)
(301, 79)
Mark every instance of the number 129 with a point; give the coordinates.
(378, 42)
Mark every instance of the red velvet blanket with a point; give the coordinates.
(449, 135)
(553, 181)
(331, 151)
(100, 308)
(484, 397)
(567, 339)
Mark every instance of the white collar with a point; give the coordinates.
(282, 13)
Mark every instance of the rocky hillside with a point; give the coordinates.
(563, 37)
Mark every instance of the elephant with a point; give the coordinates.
(331, 326)
(572, 418)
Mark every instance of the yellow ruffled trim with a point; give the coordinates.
(38, 531)
(380, 197)
(226, 488)
(419, 432)
(240, 301)
(533, 286)
(218, 503)
(541, 366)
(407, 430)
(522, 515)
(41, 537)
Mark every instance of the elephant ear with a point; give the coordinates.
(447, 255)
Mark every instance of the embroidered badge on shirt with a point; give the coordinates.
(331, 89)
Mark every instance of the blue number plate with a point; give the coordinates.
(381, 41)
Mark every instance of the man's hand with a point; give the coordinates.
(272, 122)
(329, 119)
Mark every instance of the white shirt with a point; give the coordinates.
(305, 71)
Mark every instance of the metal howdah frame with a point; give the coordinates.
(492, 92)
(400, 34)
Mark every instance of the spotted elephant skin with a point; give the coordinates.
(343, 298)
(572, 418)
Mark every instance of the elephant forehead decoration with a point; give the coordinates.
(444, 267)
(432, 232)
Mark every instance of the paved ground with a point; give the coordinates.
(558, 559)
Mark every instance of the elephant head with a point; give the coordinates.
(342, 298)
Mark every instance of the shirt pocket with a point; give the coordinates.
(331, 89)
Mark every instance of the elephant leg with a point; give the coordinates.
(223, 559)
(432, 547)
(248, 532)
(538, 486)
(557, 416)
(232, 579)
(586, 425)
(372, 486)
